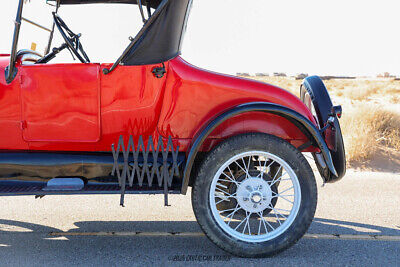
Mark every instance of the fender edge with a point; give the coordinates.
(304, 124)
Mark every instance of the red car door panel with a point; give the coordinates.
(131, 102)
(60, 103)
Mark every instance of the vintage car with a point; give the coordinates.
(153, 123)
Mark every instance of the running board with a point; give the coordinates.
(134, 166)
(13, 188)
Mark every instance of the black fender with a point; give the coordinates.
(325, 111)
(303, 123)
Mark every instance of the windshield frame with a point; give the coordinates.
(11, 71)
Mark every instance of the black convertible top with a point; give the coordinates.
(161, 37)
(153, 3)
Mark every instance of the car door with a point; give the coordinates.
(60, 102)
(131, 101)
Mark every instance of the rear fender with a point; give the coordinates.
(260, 122)
(299, 121)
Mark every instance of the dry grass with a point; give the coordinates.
(395, 99)
(371, 114)
(367, 128)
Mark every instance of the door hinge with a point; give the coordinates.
(23, 125)
(159, 71)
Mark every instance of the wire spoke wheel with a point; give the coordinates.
(254, 195)
(247, 203)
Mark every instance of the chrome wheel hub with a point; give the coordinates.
(254, 195)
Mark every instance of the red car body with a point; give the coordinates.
(75, 107)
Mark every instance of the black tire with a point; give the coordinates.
(235, 146)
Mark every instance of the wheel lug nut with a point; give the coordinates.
(246, 199)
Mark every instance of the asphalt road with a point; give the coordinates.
(363, 204)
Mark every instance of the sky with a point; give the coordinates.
(322, 37)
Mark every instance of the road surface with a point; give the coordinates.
(357, 223)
